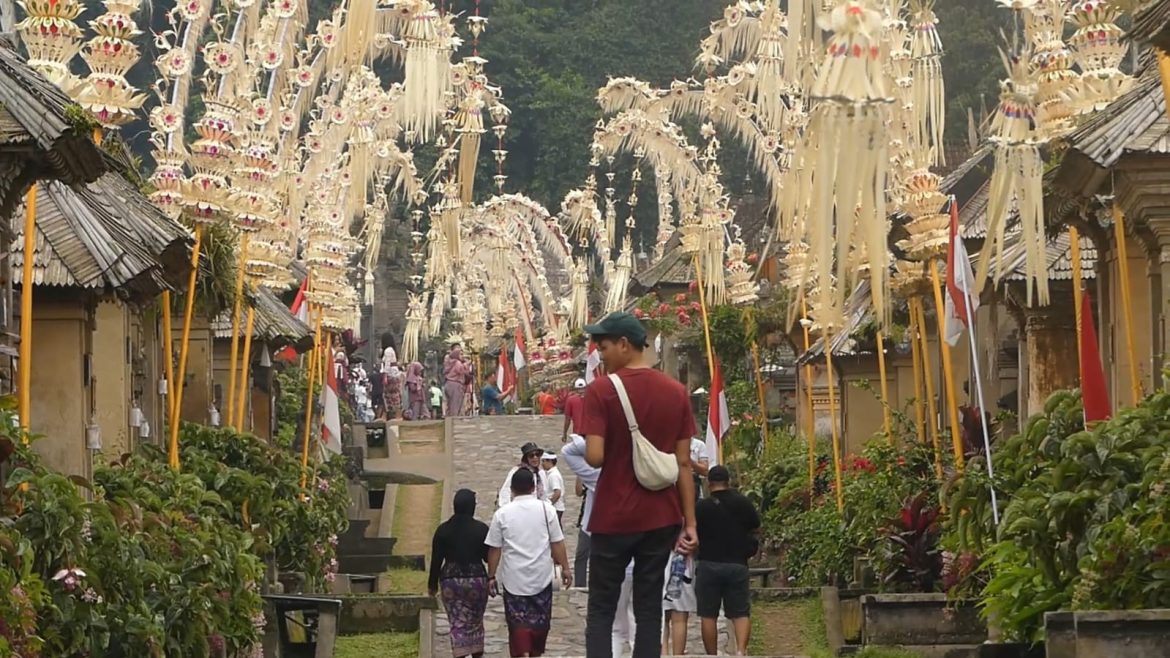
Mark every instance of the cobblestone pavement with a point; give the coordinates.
(485, 449)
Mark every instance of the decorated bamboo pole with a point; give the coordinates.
(24, 399)
(707, 339)
(837, 473)
(810, 420)
(311, 365)
(944, 350)
(1126, 301)
(760, 393)
(1164, 71)
(1074, 237)
(241, 404)
(235, 350)
(928, 382)
(885, 389)
(916, 360)
(184, 343)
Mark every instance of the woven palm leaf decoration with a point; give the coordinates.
(928, 90)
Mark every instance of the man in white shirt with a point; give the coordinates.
(523, 542)
(554, 485)
(699, 464)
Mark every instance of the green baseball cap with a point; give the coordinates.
(620, 324)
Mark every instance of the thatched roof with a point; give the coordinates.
(274, 323)
(1151, 24)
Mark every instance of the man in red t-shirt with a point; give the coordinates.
(574, 407)
(628, 521)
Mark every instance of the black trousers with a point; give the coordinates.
(581, 559)
(608, 557)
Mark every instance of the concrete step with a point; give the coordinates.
(364, 564)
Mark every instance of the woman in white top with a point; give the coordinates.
(523, 542)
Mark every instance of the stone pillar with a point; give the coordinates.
(1052, 345)
(1160, 298)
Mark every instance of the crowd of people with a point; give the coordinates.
(650, 555)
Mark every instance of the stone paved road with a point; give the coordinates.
(485, 449)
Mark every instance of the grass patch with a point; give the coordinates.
(816, 641)
(407, 581)
(390, 645)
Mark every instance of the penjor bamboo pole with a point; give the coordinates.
(311, 364)
(810, 420)
(707, 339)
(928, 383)
(837, 474)
(760, 393)
(231, 396)
(241, 404)
(184, 343)
(1135, 383)
(1074, 237)
(1164, 71)
(916, 358)
(944, 350)
(881, 349)
(24, 399)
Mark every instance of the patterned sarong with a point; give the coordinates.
(465, 599)
(528, 618)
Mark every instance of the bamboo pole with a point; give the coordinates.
(928, 382)
(833, 423)
(707, 338)
(235, 353)
(1074, 237)
(184, 343)
(24, 399)
(241, 404)
(944, 349)
(1164, 71)
(916, 357)
(760, 393)
(1126, 302)
(312, 367)
(810, 420)
(881, 350)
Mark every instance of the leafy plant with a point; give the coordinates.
(913, 551)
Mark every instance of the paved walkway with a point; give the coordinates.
(485, 449)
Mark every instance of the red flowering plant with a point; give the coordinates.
(681, 312)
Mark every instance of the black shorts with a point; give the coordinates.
(723, 584)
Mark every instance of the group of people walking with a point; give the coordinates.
(402, 392)
(649, 551)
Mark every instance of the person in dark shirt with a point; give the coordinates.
(458, 555)
(727, 523)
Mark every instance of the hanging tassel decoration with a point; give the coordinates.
(928, 91)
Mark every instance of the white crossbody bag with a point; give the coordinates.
(655, 470)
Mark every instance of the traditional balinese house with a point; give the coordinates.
(274, 327)
(95, 280)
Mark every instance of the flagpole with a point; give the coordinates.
(707, 338)
(944, 349)
(982, 405)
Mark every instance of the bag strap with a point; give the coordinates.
(625, 400)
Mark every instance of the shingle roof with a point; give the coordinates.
(273, 323)
(1058, 254)
(100, 236)
(1151, 24)
(1135, 122)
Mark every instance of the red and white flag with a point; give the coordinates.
(518, 350)
(1094, 393)
(962, 294)
(592, 363)
(300, 310)
(718, 416)
(331, 416)
(505, 374)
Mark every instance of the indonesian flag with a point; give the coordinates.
(505, 374)
(331, 417)
(1094, 394)
(718, 417)
(592, 363)
(962, 294)
(300, 310)
(518, 351)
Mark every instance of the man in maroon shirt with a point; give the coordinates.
(574, 406)
(630, 522)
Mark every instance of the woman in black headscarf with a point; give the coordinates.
(458, 555)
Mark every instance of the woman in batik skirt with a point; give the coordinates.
(458, 554)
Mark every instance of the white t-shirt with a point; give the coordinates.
(505, 495)
(698, 450)
(389, 359)
(553, 480)
(524, 530)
